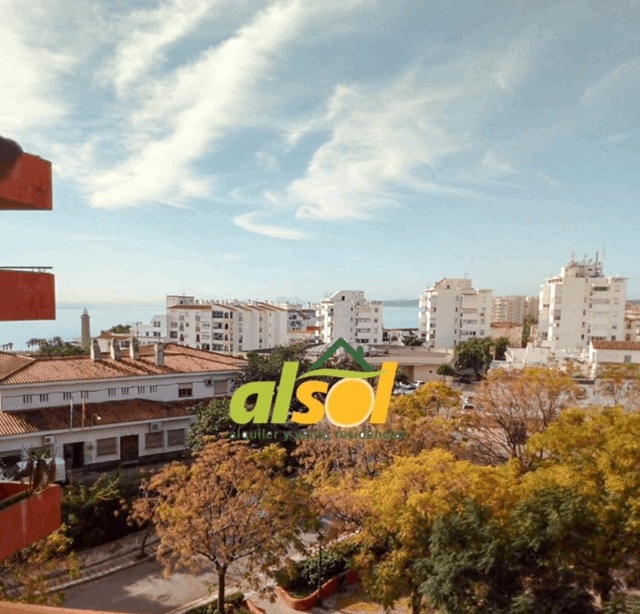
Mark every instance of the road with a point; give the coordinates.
(143, 590)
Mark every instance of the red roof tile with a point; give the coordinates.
(599, 344)
(177, 359)
(49, 419)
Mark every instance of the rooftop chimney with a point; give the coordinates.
(114, 349)
(95, 352)
(134, 349)
(158, 354)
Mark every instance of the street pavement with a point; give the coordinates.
(143, 589)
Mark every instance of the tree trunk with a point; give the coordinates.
(416, 602)
(222, 572)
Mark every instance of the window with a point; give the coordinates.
(124, 391)
(175, 437)
(27, 398)
(173, 334)
(84, 394)
(221, 387)
(142, 389)
(67, 396)
(153, 440)
(627, 358)
(153, 389)
(185, 390)
(105, 447)
(112, 392)
(44, 398)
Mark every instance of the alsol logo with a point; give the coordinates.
(349, 403)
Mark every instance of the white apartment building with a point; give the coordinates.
(104, 409)
(514, 309)
(226, 326)
(452, 311)
(579, 305)
(347, 314)
(154, 332)
(301, 322)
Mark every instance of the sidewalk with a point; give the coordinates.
(106, 559)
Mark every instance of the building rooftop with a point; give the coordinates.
(632, 346)
(51, 419)
(18, 369)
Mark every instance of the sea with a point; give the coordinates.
(104, 316)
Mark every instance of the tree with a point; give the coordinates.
(212, 418)
(445, 370)
(412, 341)
(596, 451)
(531, 560)
(399, 509)
(500, 346)
(119, 329)
(24, 575)
(474, 354)
(232, 503)
(526, 330)
(57, 347)
(511, 405)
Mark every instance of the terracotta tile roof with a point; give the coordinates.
(177, 359)
(49, 419)
(199, 307)
(599, 344)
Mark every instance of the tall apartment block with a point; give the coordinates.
(581, 304)
(347, 314)
(451, 311)
(514, 309)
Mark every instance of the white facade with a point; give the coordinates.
(347, 314)
(302, 322)
(581, 304)
(613, 352)
(103, 407)
(453, 311)
(226, 326)
(514, 309)
(153, 332)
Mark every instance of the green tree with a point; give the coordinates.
(474, 354)
(119, 329)
(526, 330)
(500, 346)
(57, 347)
(212, 418)
(534, 560)
(412, 341)
(445, 370)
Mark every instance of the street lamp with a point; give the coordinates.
(320, 539)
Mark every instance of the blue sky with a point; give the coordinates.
(269, 149)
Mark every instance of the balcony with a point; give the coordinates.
(27, 293)
(29, 518)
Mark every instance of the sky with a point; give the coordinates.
(285, 149)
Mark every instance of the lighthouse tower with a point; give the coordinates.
(85, 334)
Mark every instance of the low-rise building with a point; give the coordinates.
(602, 353)
(106, 409)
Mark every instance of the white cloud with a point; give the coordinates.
(247, 222)
(267, 161)
(29, 72)
(232, 256)
(187, 111)
(496, 166)
(620, 75)
(150, 32)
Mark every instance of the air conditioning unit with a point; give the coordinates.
(208, 381)
(154, 427)
(48, 440)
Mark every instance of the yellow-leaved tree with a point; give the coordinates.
(232, 503)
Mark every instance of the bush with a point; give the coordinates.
(235, 599)
(93, 513)
(302, 576)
